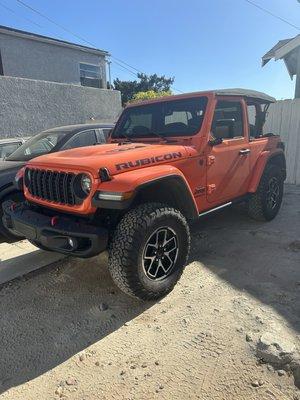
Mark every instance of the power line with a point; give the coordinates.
(116, 60)
(53, 22)
(273, 15)
(71, 32)
(27, 19)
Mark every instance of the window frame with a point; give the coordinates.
(233, 99)
(75, 136)
(93, 65)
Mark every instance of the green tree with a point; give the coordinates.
(148, 95)
(144, 83)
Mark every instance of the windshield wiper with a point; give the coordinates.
(122, 134)
(161, 137)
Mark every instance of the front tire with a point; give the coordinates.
(149, 251)
(10, 237)
(266, 202)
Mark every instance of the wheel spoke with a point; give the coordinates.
(174, 244)
(155, 268)
(160, 253)
(273, 193)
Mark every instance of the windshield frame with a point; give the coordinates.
(117, 132)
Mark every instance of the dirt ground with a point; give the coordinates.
(67, 332)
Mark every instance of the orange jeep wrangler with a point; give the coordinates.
(168, 161)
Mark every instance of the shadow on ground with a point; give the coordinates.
(52, 314)
(260, 258)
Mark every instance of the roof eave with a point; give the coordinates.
(57, 42)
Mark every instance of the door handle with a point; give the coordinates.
(244, 152)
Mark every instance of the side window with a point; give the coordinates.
(105, 132)
(82, 139)
(254, 113)
(7, 149)
(228, 120)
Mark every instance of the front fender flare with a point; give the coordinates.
(137, 180)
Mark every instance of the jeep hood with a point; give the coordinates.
(117, 158)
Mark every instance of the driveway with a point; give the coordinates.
(67, 332)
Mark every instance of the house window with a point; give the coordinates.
(90, 75)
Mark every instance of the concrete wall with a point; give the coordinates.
(284, 118)
(32, 59)
(29, 106)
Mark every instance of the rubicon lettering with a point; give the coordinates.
(150, 160)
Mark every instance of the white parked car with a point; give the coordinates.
(9, 145)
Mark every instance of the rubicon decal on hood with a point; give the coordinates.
(150, 160)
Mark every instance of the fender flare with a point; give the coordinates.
(265, 157)
(137, 181)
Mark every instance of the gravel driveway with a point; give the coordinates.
(67, 332)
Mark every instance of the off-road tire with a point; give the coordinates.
(127, 250)
(258, 207)
(10, 237)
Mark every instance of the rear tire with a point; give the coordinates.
(149, 251)
(265, 203)
(10, 237)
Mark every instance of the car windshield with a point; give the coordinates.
(38, 145)
(166, 118)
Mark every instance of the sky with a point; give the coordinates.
(204, 44)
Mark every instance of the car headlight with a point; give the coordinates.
(82, 185)
(86, 183)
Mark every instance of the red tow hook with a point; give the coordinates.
(54, 221)
(13, 206)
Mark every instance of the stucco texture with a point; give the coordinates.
(25, 58)
(29, 106)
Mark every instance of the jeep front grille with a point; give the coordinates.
(48, 185)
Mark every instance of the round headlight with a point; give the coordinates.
(86, 183)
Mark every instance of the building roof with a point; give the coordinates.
(6, 30)
(288, 50)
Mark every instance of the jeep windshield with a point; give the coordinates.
(182, 117)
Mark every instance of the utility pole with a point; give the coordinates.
(297, 88)
(109, 74)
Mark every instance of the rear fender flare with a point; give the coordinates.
(263, 160)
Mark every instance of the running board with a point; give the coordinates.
(215, 209)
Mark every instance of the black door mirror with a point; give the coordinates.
(215, 141)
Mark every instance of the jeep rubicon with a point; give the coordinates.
(169, 161)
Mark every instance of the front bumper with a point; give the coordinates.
(62, 234)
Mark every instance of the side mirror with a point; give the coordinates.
(215, 141)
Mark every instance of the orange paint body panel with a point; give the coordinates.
(212, 174)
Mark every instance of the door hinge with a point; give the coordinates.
(211, 188)
(211, 160)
